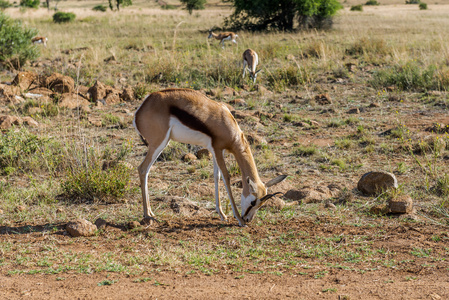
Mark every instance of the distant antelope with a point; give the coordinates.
(40, 40)
(224, 36)
(187, 116)
(251, 59)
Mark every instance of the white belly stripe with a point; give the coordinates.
(184, 134)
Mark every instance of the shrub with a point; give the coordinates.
(423, 6)
(62, 17)
(168, 6)
(15, 46)
(99, 8)
(30, 3)
(4, 4)
(413, 2)
(357, 7)
(372, 2)
(193, 4)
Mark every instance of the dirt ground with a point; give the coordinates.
(414, 278)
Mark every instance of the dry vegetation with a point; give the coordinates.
(386, 70)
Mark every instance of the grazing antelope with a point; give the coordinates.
(251, 59)
(224, 36)
(40, 40)
(188, 116)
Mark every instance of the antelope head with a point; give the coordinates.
(257, 197)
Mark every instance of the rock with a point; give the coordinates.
(59, 210)
(1, 211)
(263, 90)
(6, 122)
(26, 80)
(330, 205)
(204, 153)
(402, 204)
(30, 122)
(95, 121)
(127, 95)
(374, 183)
(189, 157)
(323, 99)
(72, 101)
(133, 224)
(183, 206)
(228, 91)
(101, 223)
(80, 227)
(379, 210)
(276, 203)
(313, 194)
(255, 139)
(8, 92)
(97, 91)
(238, 102)
(354, 111)
(374, 104)
(351, 67)
(59, 83)
(112, 97)
(20, 208)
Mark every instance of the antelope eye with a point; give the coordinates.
(253, 203)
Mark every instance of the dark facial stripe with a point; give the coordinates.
(190, 120)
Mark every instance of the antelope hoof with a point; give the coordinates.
(148, 221)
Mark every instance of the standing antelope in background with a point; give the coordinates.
(224, 36)
(188, 116)
(251, 59)
(39, 40)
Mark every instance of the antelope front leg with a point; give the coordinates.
(217, 176)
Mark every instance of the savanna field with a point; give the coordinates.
(370, 94)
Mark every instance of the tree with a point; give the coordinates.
(194, 4)
(282, 14)
(119, 3)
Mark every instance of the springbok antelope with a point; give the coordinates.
(224, 36)
(251, 59)
(188, 116)
(40, 40)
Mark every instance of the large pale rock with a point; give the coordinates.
(6, 122)
(189, 157)
(72, 101)
(402, 204)
(80, 227)
(60, 83)
(374, 183)
(26, 80)
(310, 194)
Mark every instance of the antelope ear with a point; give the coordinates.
(252, 185)
(276, 180)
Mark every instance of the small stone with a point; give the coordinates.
(379, 210)
(204, 153)
(276, 203)
(354, 111)
(374, 183)
(20, 208)
(323, 99)
(80, 227)
(59, 210)
(374, 104)
(101, 223)
(402, 204)
(133, 224)
(238, 101)
(189, 157)
(330, 205)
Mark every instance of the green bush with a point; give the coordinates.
(168, 6)
(372, 2)
(30, 3)
(357, 7)
(413, 2)
(193, 4)
(4, 4)
(15, 43)
(99, 8)
(62, 17)
(97, 176)
(423, 6)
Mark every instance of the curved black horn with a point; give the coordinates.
(268, 196)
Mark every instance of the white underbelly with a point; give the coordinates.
(183, 134)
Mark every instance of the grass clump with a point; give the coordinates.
(410, 76)
(30, 3)
(422, 6)
(305, 150)
(357, 7)
(4, 4)
(63, 17)
(100, 7)
(372, 3)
